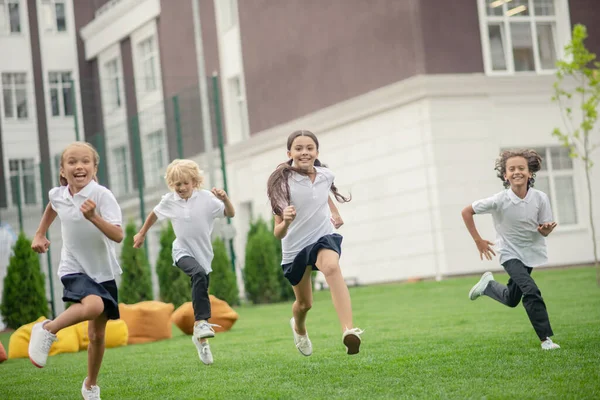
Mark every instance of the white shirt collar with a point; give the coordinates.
(85, 192)
(178, 197)
(516, 199)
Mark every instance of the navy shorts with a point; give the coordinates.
(294, 271)
(78, 286)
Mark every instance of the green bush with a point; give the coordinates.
(223, 283)
(286, 291)
(174, 285)
(24, 296)
(261, 269)
(136, 283)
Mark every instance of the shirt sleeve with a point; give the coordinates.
(329, 175)
(485, 206)
(52, 194)
(110, 210)
(217, 206)
(545, 211)
(164, 209)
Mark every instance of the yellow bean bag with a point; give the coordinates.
(147, 321)
(18, 345)
(221, 314)
(116, 334)
(3, 355)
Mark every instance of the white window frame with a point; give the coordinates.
(51, 16)
(60, 87)
(22, 173)
(121, 169)
(552, 173)
(238, 110)
(113, 84)
(156, 160)
(6, 28)
(148, 57)
(228, 10)
(560, 23)
(13, 87)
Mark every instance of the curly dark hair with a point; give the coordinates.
(278, 188)
(534, 163)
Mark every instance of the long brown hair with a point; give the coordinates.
(534, 164)
(278, 188)
(62, 179)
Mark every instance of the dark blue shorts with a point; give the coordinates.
(294, 271)
(78, 286)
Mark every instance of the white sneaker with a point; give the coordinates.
(477, 290)
(302, 342)
(203, 351)
(90, 394)
(40, 343)
(351, 339)
(204, 330)
(548, 344)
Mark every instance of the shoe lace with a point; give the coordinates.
(93, 393)
(206, 325)
(47, 341)
(303, 341)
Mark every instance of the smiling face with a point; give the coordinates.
(303, 152)
(517, 172)
(78, 165)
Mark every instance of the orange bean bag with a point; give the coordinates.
(18, 345)
(222, 314)
(116, 334)
(3, 356)
(147, 321)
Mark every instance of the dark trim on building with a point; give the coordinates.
(3, 197)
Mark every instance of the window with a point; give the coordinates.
(22, 181)
(120, 175)
(519, 35)
(114, 85)
(10, 17)
(147, 51)
(556, 179)
(156, 158)
(57, 168)
(14, 95)
(238, 107)
(61, 93)
(55, 15)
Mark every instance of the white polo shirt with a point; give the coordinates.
(193, 222)
(516, 221)
(313, 217)
(85, 249)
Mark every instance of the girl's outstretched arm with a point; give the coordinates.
(40, 243)
(336, 218)
(138, 239)
(282, 223)
(113, 232)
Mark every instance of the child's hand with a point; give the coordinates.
(219, 193)
(88, 209)
(485, 249)
(289, 214)
(547, 228)
(336, 220)
(40, 244)
(138, 240)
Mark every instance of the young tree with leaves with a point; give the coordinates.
(136, 282)
(580, 135)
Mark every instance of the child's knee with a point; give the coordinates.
(329, 269)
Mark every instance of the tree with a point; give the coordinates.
(136, 283)
(223, 282)
(24, 297)
(260, 279)
(174, 285)
(579, 66)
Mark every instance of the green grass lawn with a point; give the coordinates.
(421, 340)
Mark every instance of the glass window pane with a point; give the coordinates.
(67, 101)
(19, 79)
(496, 36)
(21, 97)
(53, 77)
(8, 103)
(560, 158)
(3, 18)
(6, 79)
(493, 8)
(15, 18)
(522, 46)
(15, 188)
(542, 183)
(54, 102)
(517, 8)
(542, 152)
(61, 22)
(565, 197)
(545, 38)
(65, 77)
(29, 195)
(543, 7)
